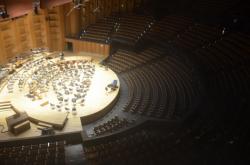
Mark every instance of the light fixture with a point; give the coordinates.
(3, 12)
(36, 5)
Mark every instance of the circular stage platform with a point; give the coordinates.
(54, 90)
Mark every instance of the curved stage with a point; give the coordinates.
(55, 91)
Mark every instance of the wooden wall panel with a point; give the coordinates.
(55, 28)
(8, 41)
(38, 30)
(73, 21)
(22, 34)
(89, 47)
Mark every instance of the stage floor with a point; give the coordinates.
(58, 101)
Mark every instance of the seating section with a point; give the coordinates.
(128, 29)
(167, 88)
(213, 6)
(196, 36)
(129, 148)
(226, 63)
(131, 28)
(241, 10)
(169, 27)
(42, 153)
(124, 60)
(164, 89)
(111, 125)
(100, 31)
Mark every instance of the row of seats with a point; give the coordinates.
(225, 62)
(213, 6)
(124, 60)
(126, 29)
(164, 89)
(131, 28)
(129, 148)
(216, 50)
(111, 125)
(196, 36)
(168, 28)
(100, 31)
(43, 153)
(183, 32)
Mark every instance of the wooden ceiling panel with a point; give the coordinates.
(52, 3)
(17, 8)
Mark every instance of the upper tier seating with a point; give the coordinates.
(42, 153)
(100, 31)
(226, 63)
(164, 89)
(131, 28)
(124, 60)
(169, 27)
(196, 36)
(127, 29)
(213, 6)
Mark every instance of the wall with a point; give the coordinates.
(90, 47)
(55, 28)
(32, 31)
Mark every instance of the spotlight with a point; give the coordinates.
(3, 13)
(36, 5)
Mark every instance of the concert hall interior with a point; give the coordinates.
(124, 82)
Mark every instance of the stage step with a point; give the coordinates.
(5, 106)
(5, 103)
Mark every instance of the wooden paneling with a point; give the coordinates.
(53, 3)
(90, 47)
(38, 30)
(55, 28)
(22, 34)
(73, 21)
(7, 41)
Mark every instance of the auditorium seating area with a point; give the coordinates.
(128, 147)
(168, 28)
(131, 28)
(125, 29)
(100, 31)
(42, 153)
(226, 62)
(197, 36)
(163, 89)
(187, 86)
(124, 60)
(111, 125)
(217, 7)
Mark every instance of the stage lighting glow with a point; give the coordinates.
(74, 86)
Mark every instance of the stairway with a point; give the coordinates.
(5, 106)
